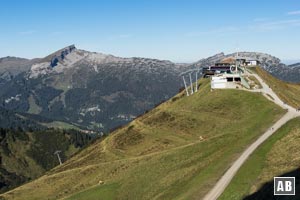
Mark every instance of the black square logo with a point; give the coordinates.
(284, 185)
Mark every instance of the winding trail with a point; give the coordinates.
(220, 186)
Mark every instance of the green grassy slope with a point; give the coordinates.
(176, 151)
(287, 92)
(278, 155)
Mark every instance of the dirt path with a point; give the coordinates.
(220, 186)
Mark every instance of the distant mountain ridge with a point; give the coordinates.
(101, 91)
(14, 64)
(93, 90)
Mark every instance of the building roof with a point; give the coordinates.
(246, 58)
(227, 75)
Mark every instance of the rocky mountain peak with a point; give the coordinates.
(57, 61)
(61, 54)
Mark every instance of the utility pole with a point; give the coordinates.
(236, 62)
(192, 91)
(186, 89)
(196, 89)
(57, 153)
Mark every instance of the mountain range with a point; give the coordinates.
(90, 90)
(99, 92)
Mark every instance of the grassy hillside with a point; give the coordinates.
(280, 154)
(176, 151)
(287, 92)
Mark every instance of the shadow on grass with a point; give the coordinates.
(266, 192)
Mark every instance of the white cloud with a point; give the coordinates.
(295, 12)
(28, 32)
(220, 30)
(274, 25)
(56, 33)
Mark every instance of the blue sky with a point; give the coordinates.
(177, 30)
